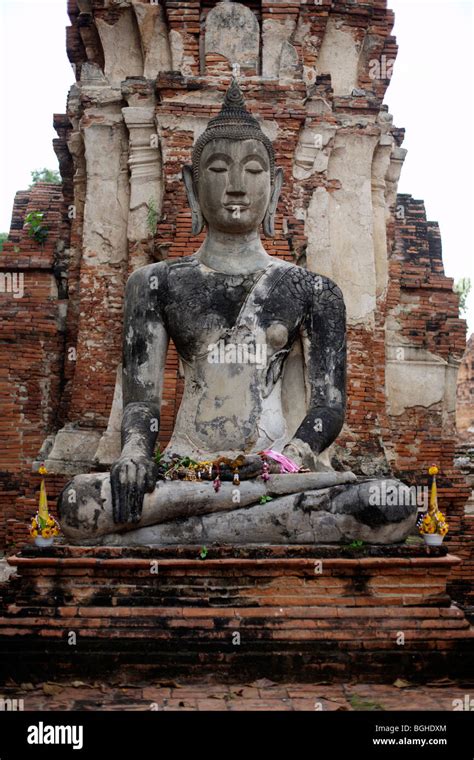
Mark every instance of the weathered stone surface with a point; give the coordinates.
(275, 35)
(331, 514)
(232, 31)
(465, 462)
(154, 38)
(73, 450)
(339, 57)
(339, 225)
(289, 62)
(86, 503)
(420, 381)
(146, 173)
(106, 152)
(302, 610)
(312, 152)
(40, 377)
(177, 52)
(109, 446)
(465, 394)
(92, 75)
(122, 48)
(232, 404)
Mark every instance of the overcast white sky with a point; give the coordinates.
(430, 95)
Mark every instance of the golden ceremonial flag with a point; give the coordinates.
(43, 502)
(433, 471)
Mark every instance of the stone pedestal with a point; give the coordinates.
(270, 611)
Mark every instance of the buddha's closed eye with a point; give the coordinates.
(254, 168)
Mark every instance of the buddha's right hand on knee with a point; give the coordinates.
(131, 477)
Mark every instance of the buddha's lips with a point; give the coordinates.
(232, 206)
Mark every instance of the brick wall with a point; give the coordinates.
(39, 381)
(31, 352)
(465, 394)
(183, 618)
(426, 309)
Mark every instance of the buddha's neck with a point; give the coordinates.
(233, 254)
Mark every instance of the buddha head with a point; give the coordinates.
(233, 185)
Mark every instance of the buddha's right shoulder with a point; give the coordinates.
(179, 270)
(179, 262)
(157, 275)
(158, 272)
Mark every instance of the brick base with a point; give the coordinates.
(306, 613)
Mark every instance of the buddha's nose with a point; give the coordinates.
(236, 182)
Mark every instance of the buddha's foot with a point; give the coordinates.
(288, 509)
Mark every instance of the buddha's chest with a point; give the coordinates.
(233, 312)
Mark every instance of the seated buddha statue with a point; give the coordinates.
(262, 344)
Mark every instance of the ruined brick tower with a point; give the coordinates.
(149, 75)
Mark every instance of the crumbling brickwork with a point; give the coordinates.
(293, 622)
(465, 463)
(149, 76)
(465, 395)
(31, 347)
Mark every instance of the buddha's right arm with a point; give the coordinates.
(145, 343)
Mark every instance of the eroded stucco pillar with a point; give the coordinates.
(339, 224)
(101, 283)
(381, 213)
(122, 47)
(154, 37)
(146, 195)
(146, 184)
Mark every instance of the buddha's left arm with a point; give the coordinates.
(323, 336)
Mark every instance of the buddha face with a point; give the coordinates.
(234, 184)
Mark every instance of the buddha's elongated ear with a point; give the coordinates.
(269, 218)
(197, 217)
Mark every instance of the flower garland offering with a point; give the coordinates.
(286, 464)
(433, 522)
(43, 525)
(217, 481)
(185, 468)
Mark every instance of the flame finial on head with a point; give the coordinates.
(233, 122)
(234, 97)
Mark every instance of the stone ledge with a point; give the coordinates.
(183, 619)
(290, 563)
(276, 557)
(224, 551)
